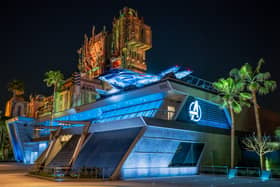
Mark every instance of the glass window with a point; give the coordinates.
(187, 154)
(170, 112)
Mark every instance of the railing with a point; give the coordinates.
(275, 172)
(56, 172)
(154, 112)
(66, 172)
(161, 114)
(62, 173)
(248, 171)
(212, 169)
(198, 82)
(241, 171)
(88, 172)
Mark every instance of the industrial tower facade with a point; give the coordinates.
(123, 48)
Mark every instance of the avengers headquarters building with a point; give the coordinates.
(113, 115)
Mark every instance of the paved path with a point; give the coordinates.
(14, 175)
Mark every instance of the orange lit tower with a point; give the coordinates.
(125, 47)
(131, 38)
(93, 54)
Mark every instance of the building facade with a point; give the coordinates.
(122, 48)
(157, 130)
(113, 116)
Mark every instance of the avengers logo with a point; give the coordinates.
(195, 111)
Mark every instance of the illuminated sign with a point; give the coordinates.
(195, 111)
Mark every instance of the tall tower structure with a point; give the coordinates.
(125, 47)
(131, 38)
(94, 54)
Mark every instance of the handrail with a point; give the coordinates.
(214, 166)
(158, 111)
(147, 110)
(58, 167)
(59, 172)
(199, 83)
(241, 170)
(245, 167)
(215, 169)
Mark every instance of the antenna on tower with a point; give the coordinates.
(93, 31)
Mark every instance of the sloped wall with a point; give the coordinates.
(152, 155)
(105, 150)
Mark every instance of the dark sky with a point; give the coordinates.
(210, 37)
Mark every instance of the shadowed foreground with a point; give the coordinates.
(14, 175)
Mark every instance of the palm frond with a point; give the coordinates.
(245, 103)
(234, 73)
(253, 86)
(239, 86)
(263, 90)
(270, 85)
(236, 107)
(246, 71)
(245, 95)
(260, 63)
(262, 76)
(53, 78)
(15, 85)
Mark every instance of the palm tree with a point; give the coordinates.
(54, 79)
(233, 97)
(2, 136)
(16, 87)
(257, 83)
(4, 140)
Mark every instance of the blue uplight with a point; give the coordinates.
(142, 106)
(232, 173)
(265, 175)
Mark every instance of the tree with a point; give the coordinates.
(2, 139)
(16, 87)
(260, 146)
(233, 97)
(5, 146)
(54, 79)
(257, 83)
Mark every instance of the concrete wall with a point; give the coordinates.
(153, 153)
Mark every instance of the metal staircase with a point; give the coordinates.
(64, 156)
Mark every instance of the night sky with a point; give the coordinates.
(210, 37)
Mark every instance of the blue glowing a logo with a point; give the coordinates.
(195, 111)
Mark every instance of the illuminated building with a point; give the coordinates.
(113, 116)
(36, 104)
(137, 124)
(16, 106)
(124, 48)
(94, 54)
(131, 38)
(138, 121)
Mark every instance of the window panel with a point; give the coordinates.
(187, 154)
